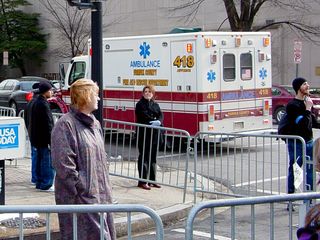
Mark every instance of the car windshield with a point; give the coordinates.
(27, 85)
(290, 90)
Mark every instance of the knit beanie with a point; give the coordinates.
(297, 82)
(44, 86)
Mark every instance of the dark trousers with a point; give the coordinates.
(44, 169)
(33, 164)
(296, 155)
(147, 160)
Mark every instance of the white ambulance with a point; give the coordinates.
(204, 81)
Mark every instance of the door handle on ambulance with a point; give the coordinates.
(179, 88)
(188, 88)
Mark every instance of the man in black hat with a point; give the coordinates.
(27, 119)
(302, 120)
(40, 127)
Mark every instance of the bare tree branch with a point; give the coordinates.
(71, 24)
(242, 13)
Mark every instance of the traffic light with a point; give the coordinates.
(81, 4)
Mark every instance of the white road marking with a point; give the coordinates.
(201, 234)
(260, 181)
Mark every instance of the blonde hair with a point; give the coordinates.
(81, 91)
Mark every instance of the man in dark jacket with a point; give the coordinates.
(40, 126)
(27, 119)
(300, 116)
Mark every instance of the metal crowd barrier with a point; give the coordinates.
(7, 112)
(242, 164)
(75, 209)
(265, 220)
(172, 147)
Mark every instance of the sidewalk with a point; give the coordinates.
(19, 191)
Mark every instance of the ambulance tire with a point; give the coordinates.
(279, 113)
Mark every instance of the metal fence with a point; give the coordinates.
(253, 219)
(7, 112)
(171, 147)
(243, 164)
(48, 210)
(225, 164)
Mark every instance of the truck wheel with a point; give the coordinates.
(279, 113)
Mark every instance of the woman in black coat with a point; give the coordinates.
(148, 112)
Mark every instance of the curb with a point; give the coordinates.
(142, 222)
(139, 223)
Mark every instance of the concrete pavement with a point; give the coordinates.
(19, 191)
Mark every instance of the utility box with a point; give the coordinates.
(12, 145)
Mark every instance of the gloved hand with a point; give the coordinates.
(155, 123)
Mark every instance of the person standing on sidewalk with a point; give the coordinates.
(41, 124)
(148, 112)
(80, 161)
(300, 116)
(27, 119)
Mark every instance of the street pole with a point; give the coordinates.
(96, 63)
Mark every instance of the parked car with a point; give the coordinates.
(16, 93)
(282, 94)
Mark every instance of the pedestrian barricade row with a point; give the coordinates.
(244, 164)
(235, 165)
(254, 221)
(48, 210)
(261, 215)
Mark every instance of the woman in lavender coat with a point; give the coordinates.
(79, 158)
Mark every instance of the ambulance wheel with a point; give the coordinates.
(279, 113)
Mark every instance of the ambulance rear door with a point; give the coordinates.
(237, 86)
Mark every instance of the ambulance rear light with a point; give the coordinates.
(266, 107)
(207, 42)
(211, 113)
(189, 48)
(90, 51)
(237, 41)
(266, 41)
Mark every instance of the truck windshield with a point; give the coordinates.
(77, 72)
